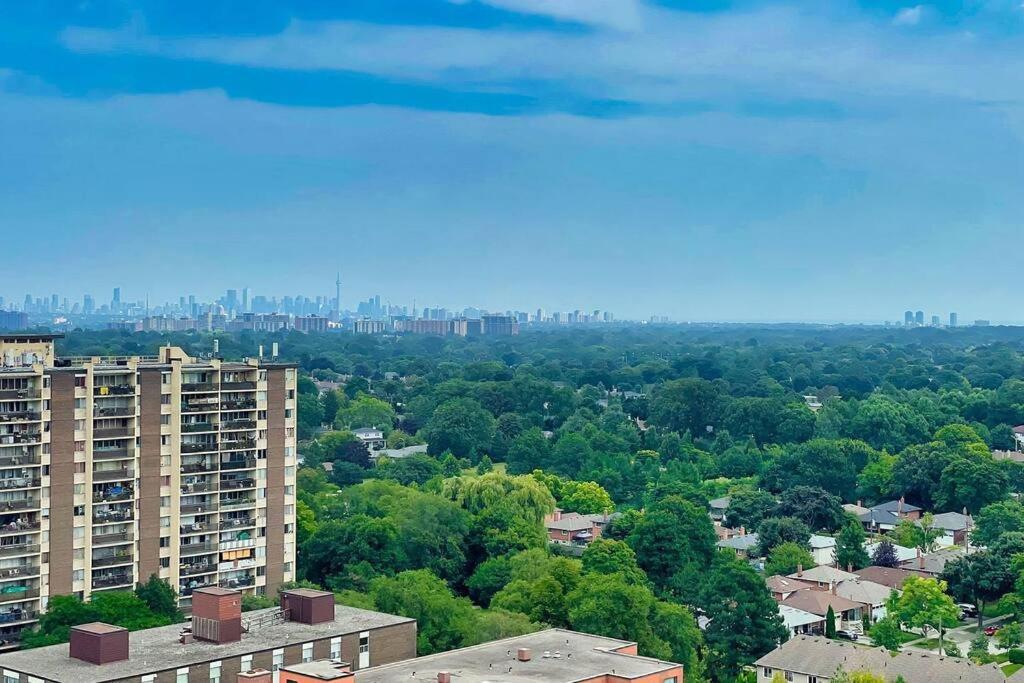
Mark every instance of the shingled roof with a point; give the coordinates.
(816, 656)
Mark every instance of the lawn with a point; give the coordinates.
(1011, 669)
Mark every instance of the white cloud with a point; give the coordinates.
(909, 16)
(618, 14)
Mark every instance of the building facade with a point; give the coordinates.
(116, 469)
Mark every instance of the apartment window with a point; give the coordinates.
(812, 679)
(78, 533)
(287, 567)
(165, 439)
(165, 399)
(149, 678)
(165, 378)
(11, 676)
(335, 648)
(767, 672)
(78, 553)
(79, 403)
(165, 480)
(79, 447)
(165, 541)
(182, 675)
(79, 380)
(291, 393)
(671, 679)
(287, 413)
(307, 652)
(165, 501)
(278, 659)
(79, 468)
(165, 461)
(79, 425)
(165, 419)
(789, 676)
(165, 563)
(78, 575)
(261, 396)
(79, 489)
(79, 511)
(165, 522)
(214, 672)
(246, 663)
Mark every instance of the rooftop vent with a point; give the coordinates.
(444, 677)
(523, 654)
(99, 643)
(217, 615)
(256, 676)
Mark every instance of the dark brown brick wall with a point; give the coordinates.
(275, 479)
(149, 473)
(62, 480)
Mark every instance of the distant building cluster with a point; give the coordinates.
(221, 322)
(917, 319)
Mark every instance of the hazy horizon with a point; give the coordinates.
(729, 160)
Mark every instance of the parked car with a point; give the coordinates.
(846, 635)
(967, 610)
(991, 630)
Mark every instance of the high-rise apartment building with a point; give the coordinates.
(116, 469)
(952, 319)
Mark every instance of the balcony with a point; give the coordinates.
(19, 483)
(200, 407)
(18, 438)
(237, 503)
(238, 543)
(199, 447)
(18, 527)
(19, 460)
(198, 387)
(23, 593)
(197, 508)
(20, 394)
(112, 580)
(112, 560)
(198, 487)
(238, 405)
(188, 549)
(237, 523)
(20, 416)
(113, 539)
(237, 425)
(234, 484)
(125, 514)
(25, 571)
(238, 386)
(238, 445)
(116, 411)
(16, 549)
(185, 591)
(239, 464)
(193, 427)
(113, 390)
(113, 494)
(112, 453)
(22, 504)
(195, 569)
(113, 475)
(113, 433)
(237, 582)
(198, 467)
(17, 616)
(195, 528)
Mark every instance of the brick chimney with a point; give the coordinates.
(308, 606)
(920, 559)
(899, 507)
(99, 643)
(799, 570)
(217, 615)
(743, 530)
(557, 515)
(835, 585)
(524, 654)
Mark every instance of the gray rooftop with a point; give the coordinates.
(158, 649)
(572, 521)
(739, 542)
(581, 657)
(815, 656)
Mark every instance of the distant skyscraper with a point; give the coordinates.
(908, 318)
(952, 320)
(936, 321)
(919, 318)
(115, 303)
(337, 296)
(245, 300)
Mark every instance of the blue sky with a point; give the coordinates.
(704, 159)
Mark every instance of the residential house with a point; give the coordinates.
(932, 564)
(954, 526)
(902, 553)
(781, 587)
(799, 622)
(718, 507)
(823, 576)
(886, 516)
(574, 529)
(891, 577)
(868, 593)
(744, 546)
(847, 612)
(823, 549)
(811, 659)
(371, 437)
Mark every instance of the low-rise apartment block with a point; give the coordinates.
(113, 469)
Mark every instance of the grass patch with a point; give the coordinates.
(907, 636)
(1011, 669)
(928, 644)
(997, 609)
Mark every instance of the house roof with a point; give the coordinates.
(368, 432)
(816, 656)
(933, 563)
(902, 552)
(785, 584)
(573, 521)
(817, 542)
(739, 542)
(892, 577)
(950, 521)
(719, 503)
(887, 512)
(794, 617)
(896, 506)
(823, 574)
(818, 602)
(864, 591)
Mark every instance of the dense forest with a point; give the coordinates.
(647, 422)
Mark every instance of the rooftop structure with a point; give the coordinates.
(892, 577)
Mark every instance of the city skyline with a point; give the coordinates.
(732, 160)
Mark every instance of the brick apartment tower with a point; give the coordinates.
(115, 469)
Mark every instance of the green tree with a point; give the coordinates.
(978, 578)
(331, 402)
(672, 533)
(444, 622)
(887, 633)
(815, 507)
(972, 483)
(777, 530)
(748, 508)
(849, 550)
(490, 576)
(417, 468)
(485, 465)
(1009, 636)
(924, 604)
(884, 555)
(160, 598)
(365, 411)
(687, 405)
(830, 623)
(530, 451)
(461, 426)
(995, 520)
(787, 558)
(605, 556)
(337, 545)
(978, 652)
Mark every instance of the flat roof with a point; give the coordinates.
(13, 336)
(580, 656)
(158, 649)
(324, 669)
